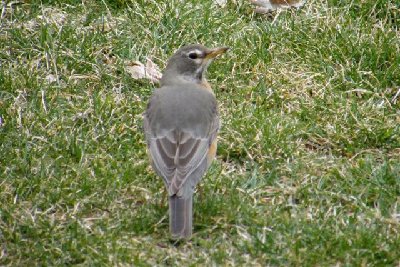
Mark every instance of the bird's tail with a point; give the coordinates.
(180, 217)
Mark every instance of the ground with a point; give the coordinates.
(308, 164)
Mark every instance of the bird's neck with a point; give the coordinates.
(166, 80)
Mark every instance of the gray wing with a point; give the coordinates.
(179, 154)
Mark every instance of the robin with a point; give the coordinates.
(181, 123)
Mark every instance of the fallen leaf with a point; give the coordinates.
(266, 6)
(221, 3)
(139, 71)
(53, 16)
(50, 78)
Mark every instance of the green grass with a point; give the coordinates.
(308, 165)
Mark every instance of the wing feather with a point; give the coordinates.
(180, 125)
(180, 157)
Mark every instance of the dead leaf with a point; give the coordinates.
(139, 71)
(221, 3)
(53, 16)
(50, 78)
(266, 6)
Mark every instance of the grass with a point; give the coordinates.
(308, 166)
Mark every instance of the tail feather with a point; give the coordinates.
(180, 217)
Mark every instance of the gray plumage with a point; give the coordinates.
(181, 124)
(181, 64)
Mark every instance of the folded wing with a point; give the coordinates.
(180, 124)
(180, 156)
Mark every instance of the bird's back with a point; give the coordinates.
(183, 108)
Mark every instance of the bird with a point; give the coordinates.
(181, 124)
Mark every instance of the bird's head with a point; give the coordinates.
(189, 64)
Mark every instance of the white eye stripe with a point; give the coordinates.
(195, 51)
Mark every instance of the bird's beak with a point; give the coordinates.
(212, 53)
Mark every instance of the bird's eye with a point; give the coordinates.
(193, 55)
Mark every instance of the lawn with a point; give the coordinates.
(308, 163)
